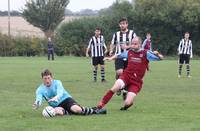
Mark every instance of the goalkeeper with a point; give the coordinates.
(54, 93)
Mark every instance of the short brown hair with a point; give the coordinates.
(123, 19)
(46, 72)
(98, 28)
(187, 32)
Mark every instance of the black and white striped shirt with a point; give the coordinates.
(97, 45)
(122, 38)
(185, 47)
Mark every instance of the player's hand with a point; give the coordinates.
(190, 56)
(54, 99)
(110, 53)
(156, 52)
(106, 59)
(35, 105)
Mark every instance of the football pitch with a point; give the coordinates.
(166, 102)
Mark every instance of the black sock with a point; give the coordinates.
(180, 69)
(102, 74)
(188, 69)
(126, 107)
(95, 74)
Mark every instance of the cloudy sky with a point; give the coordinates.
(74, 5)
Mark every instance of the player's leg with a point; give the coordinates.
(128, 101)
(101, 62)
(49, 54)
(119, 66)
(133, 90)
(70, 106)
(95, 68)
(103, 73)
(60, 111)
(95, 72)
(187, 62)
(52, 53)
(181, 61)
(77, 109)
(119, 84)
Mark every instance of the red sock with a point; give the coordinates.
(105, 99)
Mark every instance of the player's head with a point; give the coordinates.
(123, 24)
(187, 35)
(97, 31)
(148, 35)
(47, 77)
(49, 38)
(136, 43)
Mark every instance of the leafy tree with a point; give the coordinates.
(45, 14)
(72, 38)
(167, 21)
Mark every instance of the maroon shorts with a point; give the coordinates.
(132, 83)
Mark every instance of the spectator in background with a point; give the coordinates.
(50, 49)
(147, 42)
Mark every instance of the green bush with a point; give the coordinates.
(21, 46)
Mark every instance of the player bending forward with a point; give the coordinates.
(57, 97)
(138, 60)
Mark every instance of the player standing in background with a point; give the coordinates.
(98, 49)
(50, 49)
(120, 42)
(54, 93)
(147, 42)
(185, 53)
(132, 77)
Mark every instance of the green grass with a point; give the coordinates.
(165, 103)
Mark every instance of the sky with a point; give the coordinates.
(74, 5)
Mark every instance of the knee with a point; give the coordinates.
(59, 111)
(119, 84)
(119, 72)
(76, 109)
(102, 67)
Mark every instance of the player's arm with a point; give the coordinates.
(144, 43)
(191, 54)
(104, 45)
(88, 48)
(38, 100)
(179, 47)
(59, 92)
(112, 45)
(122, 55)
(154, 56)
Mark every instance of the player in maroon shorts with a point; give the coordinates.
(138, 60)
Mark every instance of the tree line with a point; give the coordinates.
(165, 20)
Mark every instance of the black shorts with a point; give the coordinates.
(184, 58)
(67, 104)
(97, 60)
(120, 63)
